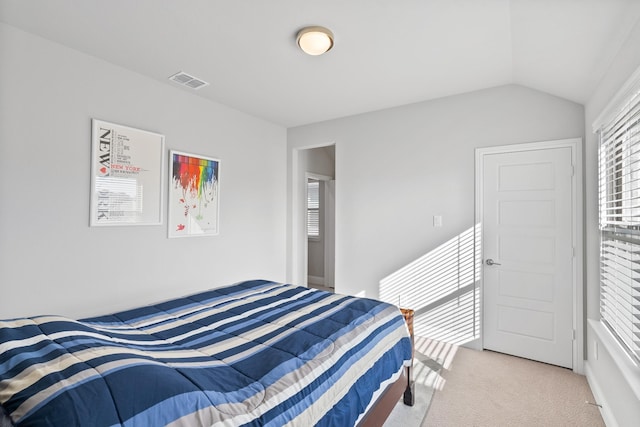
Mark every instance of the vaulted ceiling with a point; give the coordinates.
(387, 52)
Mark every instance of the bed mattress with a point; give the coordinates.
(256, 353)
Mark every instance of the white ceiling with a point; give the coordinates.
(387, 52)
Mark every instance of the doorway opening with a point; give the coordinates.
(320, 232)
(315, 210)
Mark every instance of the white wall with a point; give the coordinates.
(51, 261)
(610, 373)
(397, 168)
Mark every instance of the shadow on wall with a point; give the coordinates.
(442, 288)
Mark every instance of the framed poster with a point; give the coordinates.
(194, 195)
(126, 175)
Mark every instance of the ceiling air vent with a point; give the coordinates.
(188, 80)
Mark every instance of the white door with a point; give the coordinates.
(528, 254)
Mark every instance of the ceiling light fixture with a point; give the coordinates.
(315, 40)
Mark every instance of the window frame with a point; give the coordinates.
(618, 135)
(317, 210)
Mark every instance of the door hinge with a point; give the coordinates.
(573, 170)
(573, 335)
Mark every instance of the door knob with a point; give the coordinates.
(491, 262)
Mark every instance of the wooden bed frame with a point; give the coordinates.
(404, 386)
(378, 414)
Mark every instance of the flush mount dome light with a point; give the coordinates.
(315, 40)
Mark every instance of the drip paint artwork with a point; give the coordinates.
(193, 195)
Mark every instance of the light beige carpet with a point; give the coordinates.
(484, 388)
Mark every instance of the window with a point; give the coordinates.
(313, 209)
(619, 204)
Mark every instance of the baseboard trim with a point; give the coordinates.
(607, 416)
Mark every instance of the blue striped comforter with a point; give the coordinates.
(255, 353)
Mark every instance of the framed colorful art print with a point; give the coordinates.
(127, 175)
(194, 195)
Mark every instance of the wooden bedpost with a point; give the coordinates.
(409, 395)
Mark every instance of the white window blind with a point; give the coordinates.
(313, 208)
(619, 205)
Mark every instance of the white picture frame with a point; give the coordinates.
(194, 195)
(127, 175)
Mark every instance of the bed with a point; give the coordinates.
(257, 353)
